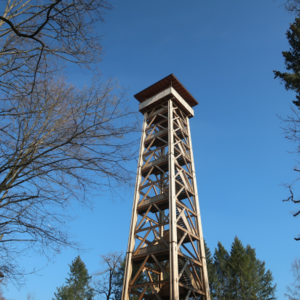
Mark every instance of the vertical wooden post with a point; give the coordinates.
(174, 284)
(131, 240)
(199, 224)
(161, 214)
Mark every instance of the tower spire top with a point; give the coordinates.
(161, 85)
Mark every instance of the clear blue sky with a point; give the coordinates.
(224, 53)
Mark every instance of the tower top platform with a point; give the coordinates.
(163, 84)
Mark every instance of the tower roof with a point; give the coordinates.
(163, 84)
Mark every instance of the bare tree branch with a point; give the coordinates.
(293, 6)
(34, 34)
(108, 284)
(293, 291)
(291, 129)
(57, 144)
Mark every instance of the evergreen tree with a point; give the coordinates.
(119, 277)
(239, 268)
(238, 275)
(221, 259)
(211, 270)
(261, 287)
(77, 285)
(254, 272)
(292, 61)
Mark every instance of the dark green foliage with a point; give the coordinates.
(260, 278)
(211, 270)
(77, 285)
(221, 259)
(119, 277)
(239, 268)
(292, 61)
(238, 275)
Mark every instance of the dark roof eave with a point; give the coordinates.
(163, 84)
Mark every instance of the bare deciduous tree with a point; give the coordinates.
(291, 128)
(108, 284)
(293, 291)
(34, 34)
(1, 296)
(57, 143)
(30, 296)
(293, 6)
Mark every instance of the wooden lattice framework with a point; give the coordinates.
(165, 257)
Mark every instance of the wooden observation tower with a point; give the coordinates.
(165, 257)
